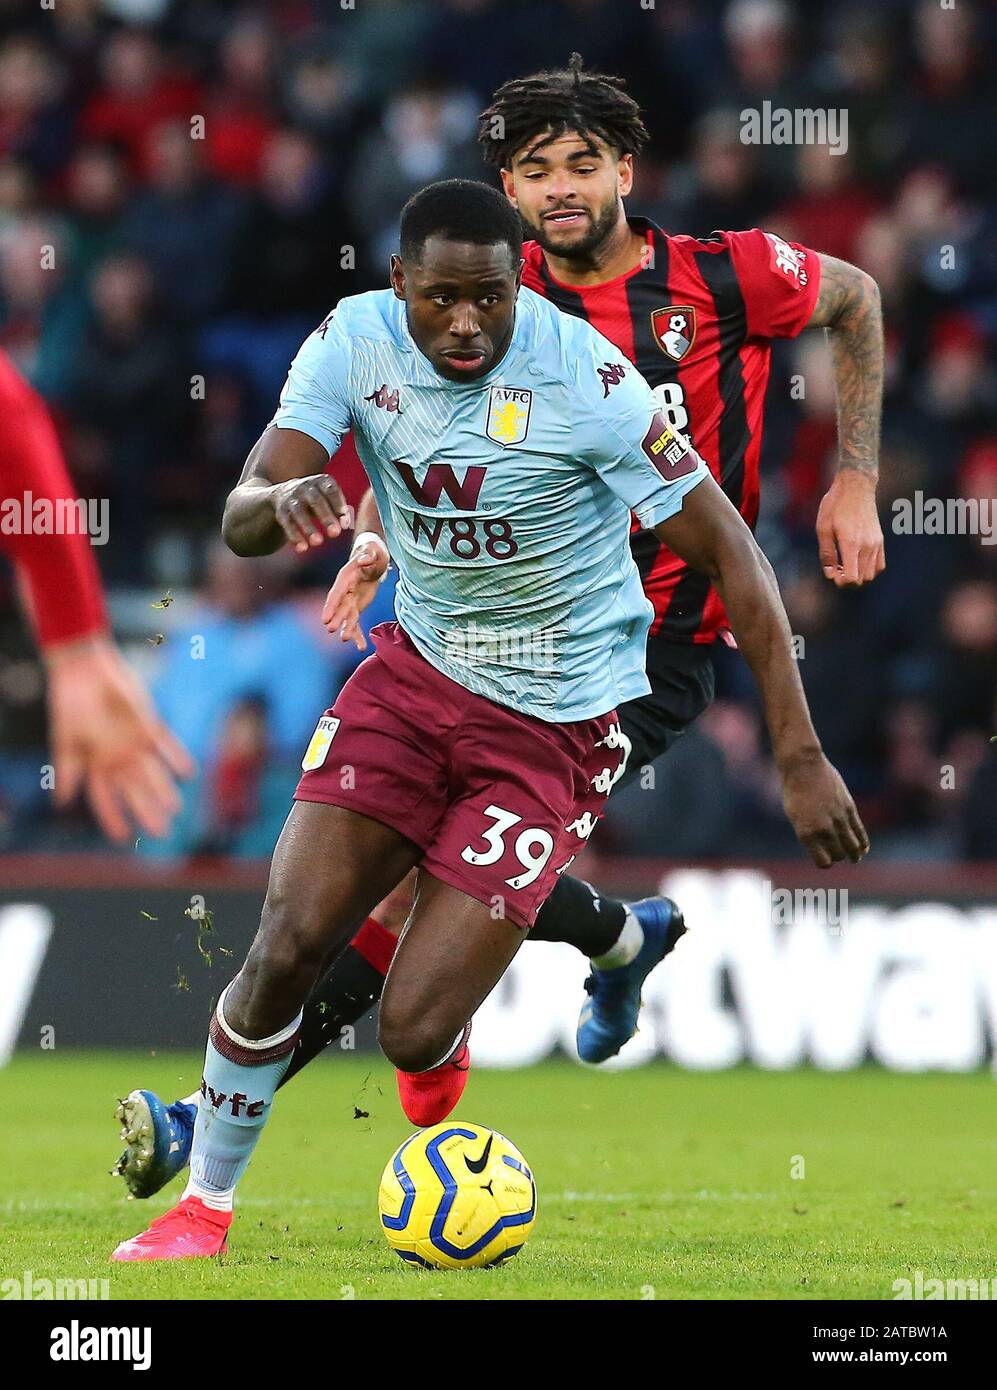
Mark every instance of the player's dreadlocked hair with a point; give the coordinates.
(557, 101)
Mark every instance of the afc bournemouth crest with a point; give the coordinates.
(674, 330)
(508, 414)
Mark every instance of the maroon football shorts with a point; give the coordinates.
(499, 802)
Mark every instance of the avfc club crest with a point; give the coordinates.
(318, 749)
(674, 330)
(509, 410)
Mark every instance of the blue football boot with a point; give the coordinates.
(609, 1016)
(157, 1138)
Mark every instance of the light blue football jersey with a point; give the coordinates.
(505, 500)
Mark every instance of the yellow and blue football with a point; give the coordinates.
(457, 1196)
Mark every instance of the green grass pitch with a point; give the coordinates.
(652, 1183)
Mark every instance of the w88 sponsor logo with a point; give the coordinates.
(466, 537)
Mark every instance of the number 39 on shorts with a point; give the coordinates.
(531, 846)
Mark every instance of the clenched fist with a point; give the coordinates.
(308, 510)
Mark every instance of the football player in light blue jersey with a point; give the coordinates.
(489, 795)
(499, 480)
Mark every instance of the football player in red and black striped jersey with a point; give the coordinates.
(698, 318)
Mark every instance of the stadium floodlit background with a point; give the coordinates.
(214, 176)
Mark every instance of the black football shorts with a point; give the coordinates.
(682, 683)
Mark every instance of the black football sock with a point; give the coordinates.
(577, 914)
(349, 988)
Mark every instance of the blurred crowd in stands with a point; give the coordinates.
(209, 176)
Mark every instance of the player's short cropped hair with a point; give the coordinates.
(460, 210)
(555, 102)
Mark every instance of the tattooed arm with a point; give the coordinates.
(848, 529)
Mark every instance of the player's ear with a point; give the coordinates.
(625, 174)
(509, 186)
(396, 275)
(519, 275)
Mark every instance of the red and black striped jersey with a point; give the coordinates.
(697, 318)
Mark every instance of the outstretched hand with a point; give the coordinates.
(108, 741)
(353, 591)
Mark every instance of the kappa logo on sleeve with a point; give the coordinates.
(610, 374)
(670, 453)
(321, 740)
(787, 260)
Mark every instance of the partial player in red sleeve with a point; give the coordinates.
(106, 737)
